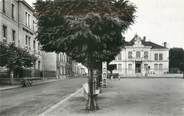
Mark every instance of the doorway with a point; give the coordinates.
(138, 67)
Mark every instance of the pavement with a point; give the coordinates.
(6, 87)
(130, 97)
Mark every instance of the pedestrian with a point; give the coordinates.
(118, 76)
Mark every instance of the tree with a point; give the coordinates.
(15, 58)
(89, 31)
(176, 59)
(3, 54)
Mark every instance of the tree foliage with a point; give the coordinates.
(80, 28)
(176, 59)
(111, 67)
(13, 57)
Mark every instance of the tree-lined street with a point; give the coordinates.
(36, 99)
(57, 43)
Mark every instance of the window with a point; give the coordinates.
(130, 55)
(64, 58)
(156, 66)
(61, 57)
(138, 54)
(145, 66)
(4, 31)
(33, 25)
(146, 55)
(119, 56)
(39, 65)
(13, 35)
(34, 44)
(3, 6)
(160, 66)
(160, 56)
(29, 39)
(119, 67)
(26, 20)
(13, 11)
(26, 42)
(156, 56)
(38, 46)
(64, 70)
(129, 66)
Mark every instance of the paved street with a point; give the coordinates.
(132, 97)
(36, 99)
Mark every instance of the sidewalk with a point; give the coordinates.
(6, 87)
(75, 106)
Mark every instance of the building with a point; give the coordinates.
(61, 66)
(18, 25)
(56, 65)
(139, 57)
(49, 65)
(79, 69)
(64, 66)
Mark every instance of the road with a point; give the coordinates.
(36, 99)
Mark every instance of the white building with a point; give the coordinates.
(142, 58)
(18, 25)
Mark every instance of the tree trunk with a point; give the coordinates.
(111, 76)
(91, 100)
(91, 103)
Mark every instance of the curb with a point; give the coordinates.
(7, 88)
(43, 82)
(60, 103)
(18, 86)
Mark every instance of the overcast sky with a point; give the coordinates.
(159, 20)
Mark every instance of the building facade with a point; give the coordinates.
(18, 25)
(142, 58)
(61, 66)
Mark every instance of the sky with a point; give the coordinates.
(159, 20)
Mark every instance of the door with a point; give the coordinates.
(138, 67)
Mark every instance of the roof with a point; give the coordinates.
(153, 45)
(145, 43)
(26, 4)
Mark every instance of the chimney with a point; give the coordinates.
(144, 38)
(165, 44)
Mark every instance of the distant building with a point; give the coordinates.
(61, 66)
(141, 58)
(18, 25)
